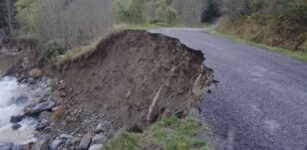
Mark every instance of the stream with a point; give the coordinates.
(13, 98)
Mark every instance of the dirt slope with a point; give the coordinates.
(136, 77)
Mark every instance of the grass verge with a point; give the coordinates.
(287, 52)
(168, 134)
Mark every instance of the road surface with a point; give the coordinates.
(260, 102)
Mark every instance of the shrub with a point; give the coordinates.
(133, 13)
(171, 16)
(212, 11)
(52, 49)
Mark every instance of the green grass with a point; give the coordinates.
(287, 52)
(169, 134)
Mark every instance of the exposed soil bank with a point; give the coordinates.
(132, 79)
(136, 77)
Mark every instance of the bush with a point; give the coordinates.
(133, 13)
(212, 11)
(53, 49)
(27, 15)
(171, 16)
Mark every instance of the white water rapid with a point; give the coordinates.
(12, 105)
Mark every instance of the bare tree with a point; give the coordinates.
(76, 22)
(10, 15)
(189, 11)
(7, 11)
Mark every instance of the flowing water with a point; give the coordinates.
(11, 105)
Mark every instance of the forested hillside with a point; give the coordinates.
(71, 23)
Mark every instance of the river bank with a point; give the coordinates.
(130, 80)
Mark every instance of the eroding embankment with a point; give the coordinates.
(131, 79)
(136, 77)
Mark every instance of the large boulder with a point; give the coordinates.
(35, 73)
(16, 119)
(41, 143)
(85, 141)
(22, 100)
(99, 139)
(104, 127)
(55, 144)
(6, 146)
(16, 126)
(38, 108)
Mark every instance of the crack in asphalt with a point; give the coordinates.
(260, 102)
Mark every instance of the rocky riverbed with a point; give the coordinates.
(29, 113)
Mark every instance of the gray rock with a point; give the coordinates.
(105, 126)
(99, 139)
(41, 126)
(75, 140)
(55, 144)
(31, 81)
(18, 147)
(48, 105)
(41, 143)
(22, 100)
(48, 91)
(66, 137)
(95, 147)
(25, 62)
(35, 73)
(15, 126)
(16, 119)
(6, 146)
(85, 141)
(44, 115)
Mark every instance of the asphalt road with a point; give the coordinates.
(260, 102)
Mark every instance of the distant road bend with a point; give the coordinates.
(260, 102)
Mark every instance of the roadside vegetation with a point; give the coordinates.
(168, 134)
(276, 23)
(301, 55)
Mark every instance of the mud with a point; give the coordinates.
(135, 78)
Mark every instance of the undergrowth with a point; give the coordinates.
(169, 134)
(287, 52)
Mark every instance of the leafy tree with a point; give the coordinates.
(133, 12)
(161, 11)
(212, 11)
(27, 14)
